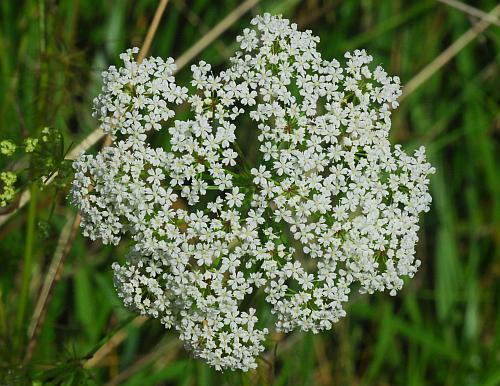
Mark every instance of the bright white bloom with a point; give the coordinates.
(328, 204)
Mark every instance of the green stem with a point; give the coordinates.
(2, 314)
(27, 267)
(246, 164)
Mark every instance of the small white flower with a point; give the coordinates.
(235, 198)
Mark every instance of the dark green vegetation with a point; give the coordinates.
(442, 329)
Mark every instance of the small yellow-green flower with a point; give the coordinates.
(7, 147)
(7, 192)
(30, 144)
(45, 134)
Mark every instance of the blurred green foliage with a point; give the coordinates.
(443, 329)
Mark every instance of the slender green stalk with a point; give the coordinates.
(27, 267)
(21, 333)
(2, 313)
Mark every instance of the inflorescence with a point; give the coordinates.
(327, 205)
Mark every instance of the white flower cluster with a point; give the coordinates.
(327, 204)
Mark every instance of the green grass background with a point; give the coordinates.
(442, 329)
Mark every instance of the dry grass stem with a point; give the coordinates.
(153, 27)
(472, 11)
(112, 343)
(62, 251)
(214, 33)
(167, 349)
(447, 54)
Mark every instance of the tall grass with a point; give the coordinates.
(443, 329)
